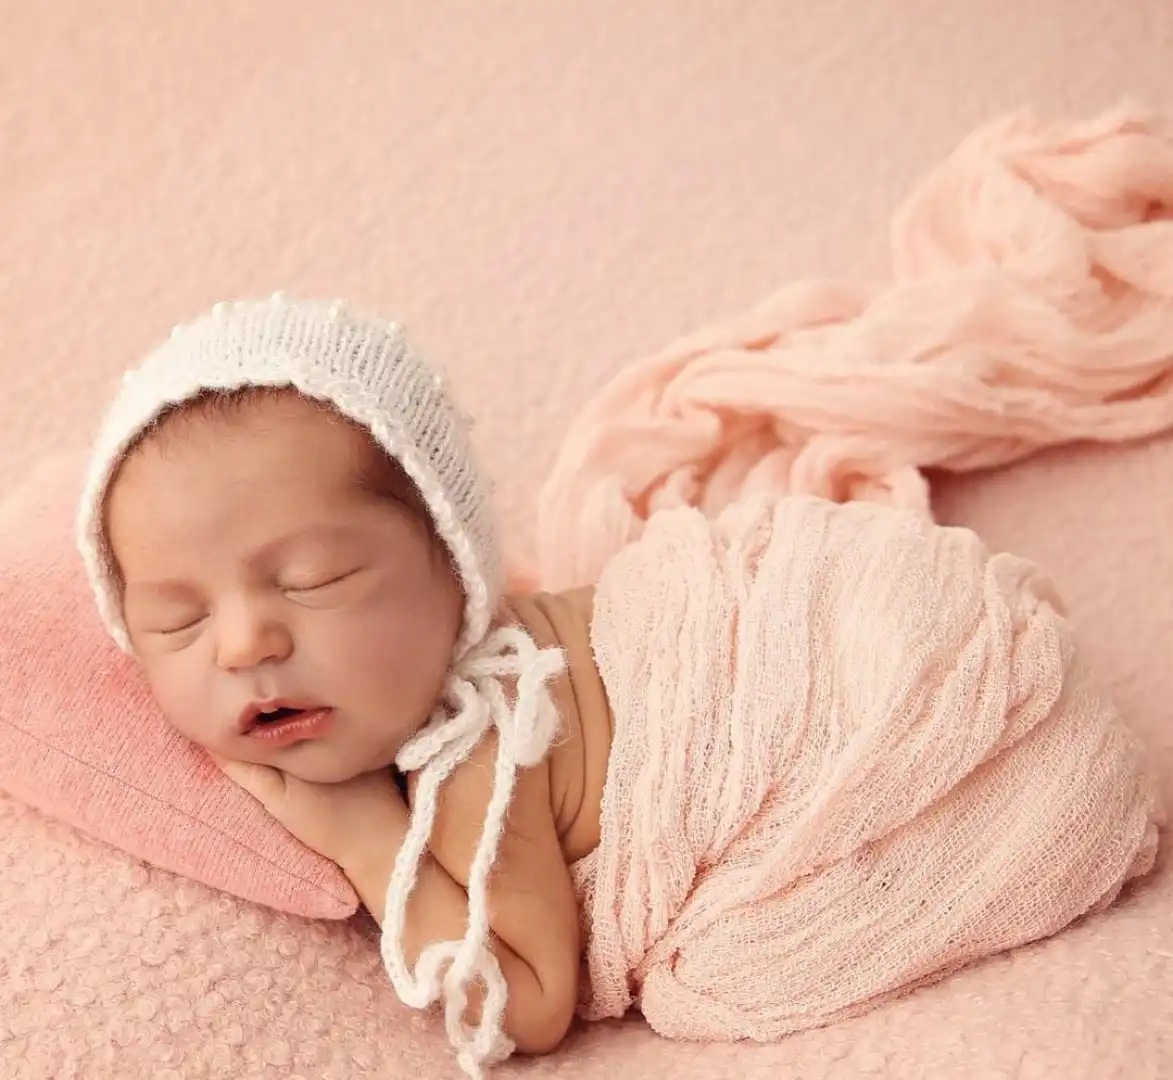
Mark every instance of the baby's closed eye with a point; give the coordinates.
(165, 620)
(315, 582)
(326, 589)
(178, 626)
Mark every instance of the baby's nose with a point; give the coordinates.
(246, 640)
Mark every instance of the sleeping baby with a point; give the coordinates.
(770, 770)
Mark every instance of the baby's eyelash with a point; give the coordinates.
(323, 584)
(172, 630)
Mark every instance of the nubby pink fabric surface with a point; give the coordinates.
(82, 741)
(541, 198)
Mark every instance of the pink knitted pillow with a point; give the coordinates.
(82, 741)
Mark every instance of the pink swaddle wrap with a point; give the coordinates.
(1030, 305)
(853, 751)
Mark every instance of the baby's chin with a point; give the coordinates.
(328, 768)
(319, 763)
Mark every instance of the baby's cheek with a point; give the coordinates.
(186, 702)
(400, 656)
(368, 654)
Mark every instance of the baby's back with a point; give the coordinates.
(578, 760)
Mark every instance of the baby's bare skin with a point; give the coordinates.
(264, 555)
(578, 761)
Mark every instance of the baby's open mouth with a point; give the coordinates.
(285, 712)
(285, 725)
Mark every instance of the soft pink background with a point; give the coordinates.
(541, 190)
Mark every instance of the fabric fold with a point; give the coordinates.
(854, 751)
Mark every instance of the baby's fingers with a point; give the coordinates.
(263, 783)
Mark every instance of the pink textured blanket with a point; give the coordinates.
(853, 752)
(1031, 306)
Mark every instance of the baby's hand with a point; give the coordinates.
(340, 821)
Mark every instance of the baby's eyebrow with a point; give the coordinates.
(164, 590)
(316, 532)
(331, 533)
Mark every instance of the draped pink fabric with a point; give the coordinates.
(1031, 305)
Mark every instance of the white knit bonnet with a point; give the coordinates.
(366, 369)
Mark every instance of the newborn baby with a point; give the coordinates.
(774, 769)
(294, 609)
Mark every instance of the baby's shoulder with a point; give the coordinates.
(463, 802)
(549, 617)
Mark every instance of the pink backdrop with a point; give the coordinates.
(543, 191)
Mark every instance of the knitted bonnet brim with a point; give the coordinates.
(364, 368)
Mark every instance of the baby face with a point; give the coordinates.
(260, 568)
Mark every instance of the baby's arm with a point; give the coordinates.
(532, 907)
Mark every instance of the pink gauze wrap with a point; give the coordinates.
(1030, 305)
(853, 751)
